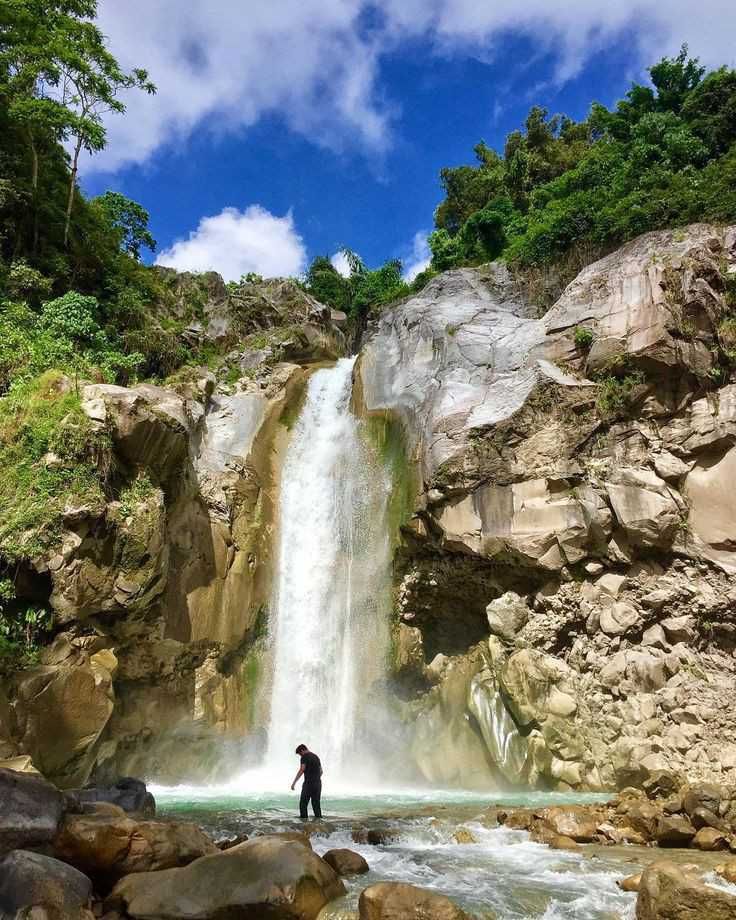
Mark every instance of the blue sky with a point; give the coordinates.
(286, 130)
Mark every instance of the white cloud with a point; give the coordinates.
(418, 258)
(234, 243)
(221, 65)
(340, 262)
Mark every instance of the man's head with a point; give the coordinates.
(301, 749)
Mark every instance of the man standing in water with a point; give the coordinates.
(311, 769)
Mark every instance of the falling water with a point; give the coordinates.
(329, 624)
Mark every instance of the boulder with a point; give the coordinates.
(703, 795)
(507, 615)
(574, 821)
(667, 892)
(630, 883)
(727, 871)
(346, 862)
(127, 793)
(263, 877)
(106, 847)
(30, 810)
(399, 901)
(560, 842)
(674, 831)
(62, 710)
(708, 839)
(32, 880)
(618, 619)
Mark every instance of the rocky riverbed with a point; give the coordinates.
(103, 852)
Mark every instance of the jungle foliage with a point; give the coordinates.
(664, 156)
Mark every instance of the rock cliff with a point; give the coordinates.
(576, 503)
(565, 531)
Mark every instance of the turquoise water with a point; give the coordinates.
(502, 875)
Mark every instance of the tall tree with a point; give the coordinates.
(91, 82)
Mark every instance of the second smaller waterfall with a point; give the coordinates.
(329, 625)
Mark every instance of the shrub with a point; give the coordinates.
(583, 338)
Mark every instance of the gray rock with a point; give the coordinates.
(30, 810)
(33, 880)
(507, 616)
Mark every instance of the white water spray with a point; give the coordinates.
(329, 626)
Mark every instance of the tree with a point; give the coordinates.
(90, 83)
(128, 219)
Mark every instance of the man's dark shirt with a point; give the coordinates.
(312, 768)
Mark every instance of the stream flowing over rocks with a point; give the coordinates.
(549, 559)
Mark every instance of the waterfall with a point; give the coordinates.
(329, 628)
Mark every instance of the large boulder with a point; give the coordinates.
(107, 847)
(32, 880)
(263, 877)
(150, 425)
(127, 793)
(667, 892)
(574, 821)
(346, 862)
(30, 810)
(62, 710)
(399, 901)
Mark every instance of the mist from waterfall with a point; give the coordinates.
(329, 622)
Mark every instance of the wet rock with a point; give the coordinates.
(375, 836)
(463, 835)
(398, 901)
(667, 892)
(674, 831)
(630, 883)
(560, 842)
(704, 817)
(346, 862)
(127, 793)
(32, 880)
(106, 847)
(265, 876)
(574, 821)
(708, 839)
(30, 810)
(727, 871)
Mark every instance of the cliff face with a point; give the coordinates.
(576, 503)
(564, 607)
(159, 596)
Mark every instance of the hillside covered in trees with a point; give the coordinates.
(563, 192)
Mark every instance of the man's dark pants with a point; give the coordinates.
(311, 791)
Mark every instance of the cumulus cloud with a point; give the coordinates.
(340, 262)
(418, 258)
(235, 242)
(222, 65)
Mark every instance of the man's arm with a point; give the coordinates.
(296, 778)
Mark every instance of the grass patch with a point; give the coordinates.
(51, 458)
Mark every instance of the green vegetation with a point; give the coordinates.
(363, 290)
(51, 458)
(664, 156)
(22, 629)
(618, 390)
(583, 338)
